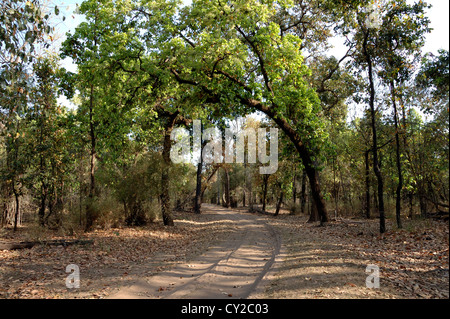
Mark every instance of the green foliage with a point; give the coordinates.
(138, 62)
(434, 75)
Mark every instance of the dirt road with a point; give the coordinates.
(229, 253)
(232, 268)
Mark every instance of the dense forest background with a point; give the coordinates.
(146, 67)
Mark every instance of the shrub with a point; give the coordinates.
(294, 208)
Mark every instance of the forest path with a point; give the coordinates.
(232, 268)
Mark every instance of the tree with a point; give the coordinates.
(238, 57)
(401, 37)
(431, 92)
(23, 26)
(83, 47)
(45, 144)
(368, 56)
(108, 80)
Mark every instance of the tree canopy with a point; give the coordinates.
(146, 67)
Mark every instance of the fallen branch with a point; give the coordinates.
(259, 211)
(30, 244)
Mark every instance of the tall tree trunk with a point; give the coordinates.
(265, 182)
(80, 204)
(17, 212)
(219, 191)
(90, 214)
(421, 190)
(41, 213)
(375, 199)
(367, 175)
(166, 209)
(51, 203)
(5, 197)
(280, 201)
(398, 158)
(303, 193)
(316, 193)
(12, 164)
(336, 189)
(245, 182)
(422, 203)
(294, 186)
(313, 214)
(198, 190)
(405, 147)
(411, 213)
(4, 214)
(43, 195)
(227, 188)
(250, 193)
(376, 166)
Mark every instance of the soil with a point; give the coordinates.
(230, 253)
(334, 262)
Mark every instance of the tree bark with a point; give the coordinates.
(294, 185)
(166, 209)
(313, 214)
(245, 183)
(80, 204)
(171, 120)
(398, 158)
(336, 189)
(367, 173)
(422, 205)
(376, 166)
(4, 211)
(41, 213)
(43, 195)
(198, 190)
(280, 201)
(303, 193)
(17, 212)
(227, 188)
(90, 214)
(219, 192)
(265, 182)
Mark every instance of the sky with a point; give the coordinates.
(437, 39)
(439, 16)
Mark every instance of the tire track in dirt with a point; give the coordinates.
(232, 268)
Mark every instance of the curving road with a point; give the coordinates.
(233, 268)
